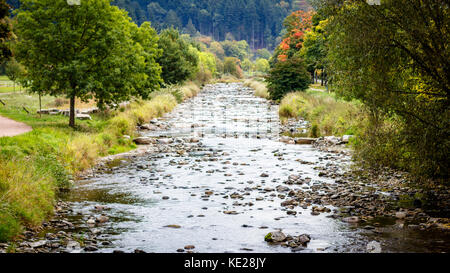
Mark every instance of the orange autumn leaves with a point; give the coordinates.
(296, 24)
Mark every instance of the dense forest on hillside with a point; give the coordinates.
(259, 22)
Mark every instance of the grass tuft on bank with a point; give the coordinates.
(259, 87)
(327, 114)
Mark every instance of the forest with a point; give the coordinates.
(259, 22)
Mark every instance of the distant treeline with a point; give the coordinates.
(259, 22)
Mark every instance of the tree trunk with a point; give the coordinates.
(40, 105)
(321, 78)
(72, 112)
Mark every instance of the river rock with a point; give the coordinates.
(143, 141)
(38, 244)
(149, 127)
(102, 219)
(303, 239)
(165, 140)
(373, 247)
(304, 140)
(275, 237)
(352, 219)
(400, 215)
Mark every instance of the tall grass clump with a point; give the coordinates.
(26, 195)
(189, 90)
(328, 115)
(259, 87)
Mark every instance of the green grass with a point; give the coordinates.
(327, 114)
(259, 87)
(33, 166)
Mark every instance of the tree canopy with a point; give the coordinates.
(179, 60)
(86, 51)
(395, 57)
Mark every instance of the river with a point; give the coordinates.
(216, 182)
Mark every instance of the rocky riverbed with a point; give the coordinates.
(215, 177)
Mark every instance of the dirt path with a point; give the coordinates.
(9, 127)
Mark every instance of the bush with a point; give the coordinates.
(231, 66)
(328, 116)
(287, 76)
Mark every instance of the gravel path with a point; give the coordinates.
(9, 127)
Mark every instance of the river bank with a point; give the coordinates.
(37, 165)
(218, 179)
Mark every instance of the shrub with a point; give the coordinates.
(287, 76)
(328, 116)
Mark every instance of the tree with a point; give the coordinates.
(5, 31)
(232, 66)
(83, 51)
(172, 20)
(314, 50)
(190, 28)
(296, 25)
(287, 76)
(262, 65)
(263, 53)
(394, 58)
(14, 71)
(237, 49)
(217, 49)
(247, 65)
(178, 61)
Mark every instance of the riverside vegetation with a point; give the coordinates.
(36, 165)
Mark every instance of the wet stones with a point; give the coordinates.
(296, 243)
(173, 226)
(230, 212)
(102, 219)
(149, 127)
(304, 141)
(400, 215)
(373, 247)
(275, 237)
(143, 141)
(291, 202)
(352, 219)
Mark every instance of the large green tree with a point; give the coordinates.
(287, 76)
(395, 57)
(5, 31)
(85, 51)
(178, 61)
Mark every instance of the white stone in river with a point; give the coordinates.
(373, 247)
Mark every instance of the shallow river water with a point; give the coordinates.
(219, 194)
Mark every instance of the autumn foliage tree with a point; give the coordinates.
(296, 25)
(288, 72)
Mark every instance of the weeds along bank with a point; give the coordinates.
(327, 114)
(36, 165)
(259, 87)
